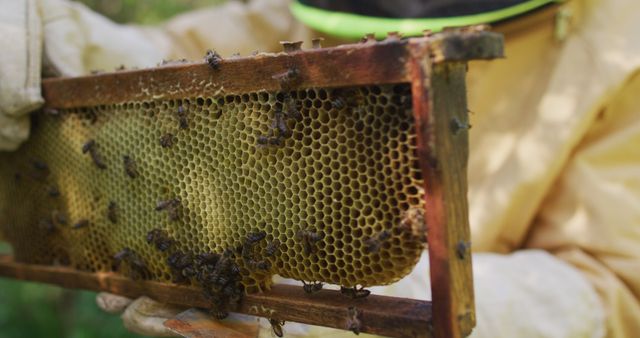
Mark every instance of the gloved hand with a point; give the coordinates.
(144, 315)
(148, 317)
(70, 40)
(526, 294)
(20, 42)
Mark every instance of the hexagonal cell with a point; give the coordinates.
(343, 172)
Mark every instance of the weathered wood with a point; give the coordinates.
(441, 123)
(348, 65)
(470, 45)
(387, 316)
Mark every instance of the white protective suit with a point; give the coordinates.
(554, 170)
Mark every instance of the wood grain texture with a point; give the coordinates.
(349, 65)
(464, 45)
(441, 122)
(381, 62)
(387, 316)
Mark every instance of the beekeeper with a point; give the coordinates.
(554, 169)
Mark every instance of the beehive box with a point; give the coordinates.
(321, 165)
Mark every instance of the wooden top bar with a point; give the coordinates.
(367, 63)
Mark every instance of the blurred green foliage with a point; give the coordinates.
(145, 11)
(38, 310)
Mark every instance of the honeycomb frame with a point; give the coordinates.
(424, 74)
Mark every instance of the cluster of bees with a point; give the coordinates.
(286, 110)
(218, 274)
(254, 259)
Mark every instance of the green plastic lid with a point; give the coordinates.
(353, 26)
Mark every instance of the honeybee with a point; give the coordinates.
(40, 165)
(160, 239)
(354, 292)
(233, 293)
(213, 59)
(353, 322)
(373, 244)
(280, 124)
(91, 116)
(275, 141)
(288, 79)
(255, 237)
(462, 248)
(87, 146)
(53, 191)
(130, 167)
(58, 218)
(276, 325)
(178, 262)
(172, 207)
(272, 248)
(311, 287)
(309, 240)
(51, 111)
(338, 103)
(219, 314)
(293, 112)
(90, 147)
(112, 212)
(41, 170)
(182, 118)
(249, 242)
(208, 258)
(81, 224)
(167, 140)
(262, 265)
(119, 257)
(264, 141)
(138, 267)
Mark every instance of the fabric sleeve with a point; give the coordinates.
(21, 45)
(591, 217)
(233, 27)
(526, 294)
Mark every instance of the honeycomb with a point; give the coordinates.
(337, 184)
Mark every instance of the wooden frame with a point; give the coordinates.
(434, 65)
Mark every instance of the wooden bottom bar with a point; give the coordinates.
(382, 315)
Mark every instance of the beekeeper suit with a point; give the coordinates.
(554, 168)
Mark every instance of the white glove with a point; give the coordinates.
(75, 41)
(143, 316)
(150, 318)
(533, 294)
(21, 46)
(528, 294)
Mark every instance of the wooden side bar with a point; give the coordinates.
(441, 126)
(387, 316)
